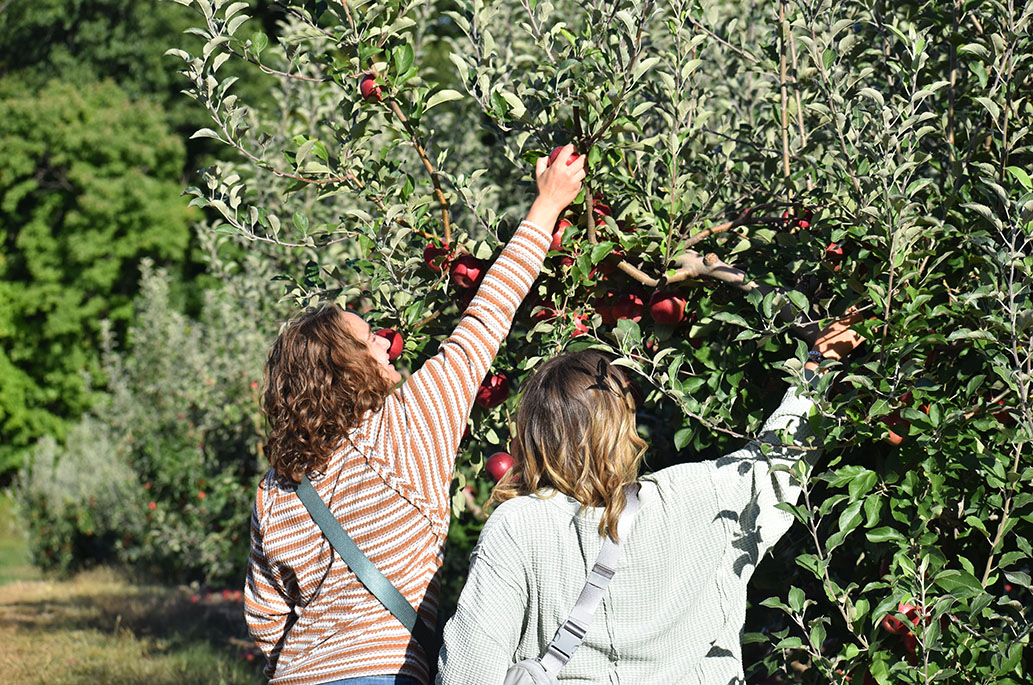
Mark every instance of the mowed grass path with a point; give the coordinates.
(98, 627)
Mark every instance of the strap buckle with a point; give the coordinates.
(568, 638)
(600, 575)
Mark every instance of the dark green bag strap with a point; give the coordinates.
(364, 569)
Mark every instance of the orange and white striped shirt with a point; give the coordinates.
(388, 486)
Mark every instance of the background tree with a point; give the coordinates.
(89, 184)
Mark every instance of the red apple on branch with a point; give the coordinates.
(556, 153)
(835, 254)
(620, 306)
(894, 419)
(369, 89)
(499, 464)
(467, 271)
(580, 327)
(397, 343)
(667, 307)
(493, 391)
(557, 236)
(435, 257)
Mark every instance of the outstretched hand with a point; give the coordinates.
(560, 182)
(838, 339)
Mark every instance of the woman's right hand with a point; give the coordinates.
(838, 340)
(559, 183)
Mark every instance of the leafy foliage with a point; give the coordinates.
(828, 153)
(160, 476)
(89, 184)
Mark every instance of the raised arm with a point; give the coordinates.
(425, 418)
(752, 481)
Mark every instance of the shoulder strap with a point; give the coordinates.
(570, 635)
(364, 569)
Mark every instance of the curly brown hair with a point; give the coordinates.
(319, 381)
(575, 432)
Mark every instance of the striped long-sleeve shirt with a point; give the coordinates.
(388, 486)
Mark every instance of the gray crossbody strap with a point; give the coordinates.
(570, 635)
(364, 569)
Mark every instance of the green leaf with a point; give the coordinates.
(403, 57)
(885, 534)
(960, 584)
(796, 599)
(446, 95)
(1021, 176)
(259, 41)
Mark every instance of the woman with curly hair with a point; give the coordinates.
(381, 457)
(674, 609)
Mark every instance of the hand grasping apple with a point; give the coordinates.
(559, 183)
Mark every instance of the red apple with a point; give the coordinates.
(556, 153)
(395, 338)
(467, 271)
(369, 89)
(499, 464)
(557, 237)
(890, 421)
(544, 314)
(621, 306)
(600, 209)
(667, 307)
(435, 257)
(493, 391)
(805, 219)
(834, 252)
(580, 327)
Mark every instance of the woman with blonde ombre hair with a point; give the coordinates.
(674, 609)
(575, 434)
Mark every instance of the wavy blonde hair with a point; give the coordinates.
(320, 380)
(575, 432)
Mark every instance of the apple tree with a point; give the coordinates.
(755, 168)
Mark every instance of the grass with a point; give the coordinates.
(14, 553)
(99, 627)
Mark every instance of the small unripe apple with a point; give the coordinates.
(397, 343)
(369, 89)
(499, 464)
(467, 271)
(493, 391)
(556, 153)
(667, 307)
(435, 257)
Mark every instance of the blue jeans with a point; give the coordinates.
(376, 680)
